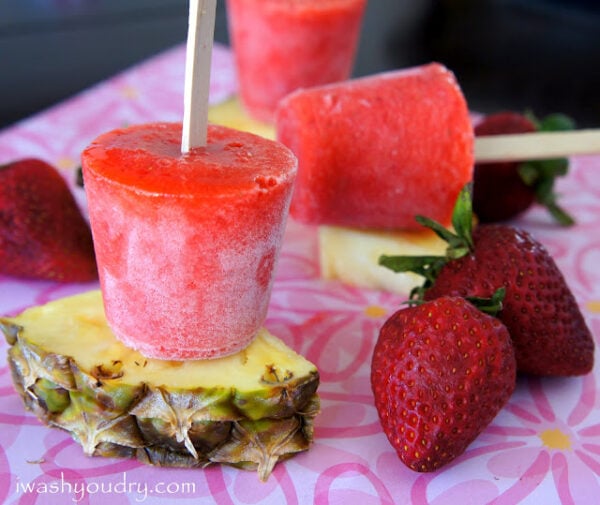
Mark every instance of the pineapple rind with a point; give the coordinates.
(54, 398)
(260, 444)
(109, 411)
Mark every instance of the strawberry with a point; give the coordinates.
(43, 234)
(547, 328)
(440, 373)
(503, 190)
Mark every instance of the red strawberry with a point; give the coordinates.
(42, 232)
(546, 326)
(440, 373)
(504, 190)
(548, 330)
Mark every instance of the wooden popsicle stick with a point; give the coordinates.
(536, 146)
(201, 29)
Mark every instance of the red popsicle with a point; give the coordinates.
(186, 244)
(374, 152)
(283, 45)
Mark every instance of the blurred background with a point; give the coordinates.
(542, 55)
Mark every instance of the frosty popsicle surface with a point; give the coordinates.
(375, 151)
(186, 244)
(282, 45)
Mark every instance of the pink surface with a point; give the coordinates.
(544, 447)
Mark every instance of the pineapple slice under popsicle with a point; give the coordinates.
(250, 409)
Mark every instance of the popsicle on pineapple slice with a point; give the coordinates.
(187, 221)
(186, 243)
(250, 409)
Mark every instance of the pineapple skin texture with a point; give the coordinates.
(251, 427)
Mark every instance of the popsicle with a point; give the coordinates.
(186, 243)
(375, 151)
(282, 45)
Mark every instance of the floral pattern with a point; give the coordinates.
(544, 446)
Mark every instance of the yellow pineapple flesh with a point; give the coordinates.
(351, 256)
(231, 113)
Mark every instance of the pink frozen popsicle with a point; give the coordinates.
(283, 45)
(374, 152)
(186, 244)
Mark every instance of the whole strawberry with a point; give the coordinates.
(440, 373)
(547, 328)
(43, 234)
(503, 190)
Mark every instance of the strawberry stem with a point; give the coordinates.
(462, 218)
(541, 175)
(491, 305)
(459, 244)
(425, 266)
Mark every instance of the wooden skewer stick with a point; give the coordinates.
(536, 146)
(201, 29)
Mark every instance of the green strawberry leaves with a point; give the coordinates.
(460, 243)
(552, 122)
(491, 305)
(541, 174)
(425, 266)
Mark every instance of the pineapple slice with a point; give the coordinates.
(351, 256)
(231, 113)
(250, 409)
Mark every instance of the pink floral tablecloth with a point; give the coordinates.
(543, 448)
